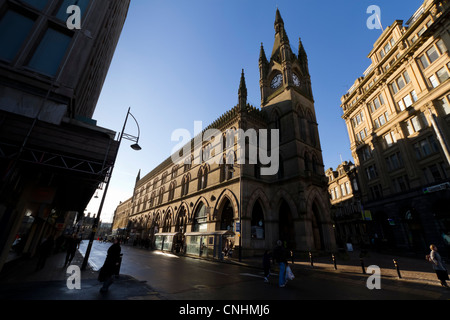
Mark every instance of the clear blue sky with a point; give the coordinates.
(180, 61)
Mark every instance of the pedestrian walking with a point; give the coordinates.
(45, 249)
(438, 265)
(266, 265)
(111, 265)
(280, 256)
(71, 248)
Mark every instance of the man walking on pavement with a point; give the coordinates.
(71, 247)
(111, 265)
(280, 256)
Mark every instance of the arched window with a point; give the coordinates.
(199, 223)
(167, 222)
(258, 225)
(185, 185)
(181, 221)
(161, 195)
(171, 190)
(227, 219)
(202, 178)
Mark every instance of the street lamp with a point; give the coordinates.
(134, 146)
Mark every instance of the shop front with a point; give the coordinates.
(168, 241)
(207, 244)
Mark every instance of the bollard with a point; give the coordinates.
(362, 266)
(398, 268)
(311, 259)
(334, 261)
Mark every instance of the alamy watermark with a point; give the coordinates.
(209, 146)
(74, 20)
(374, 281)
(74, 280)
(374, 21)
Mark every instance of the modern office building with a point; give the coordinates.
(53, 156)
(397, 116)
(220, 190)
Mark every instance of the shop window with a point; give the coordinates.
(11, 42)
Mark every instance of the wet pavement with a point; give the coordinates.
(20, 281)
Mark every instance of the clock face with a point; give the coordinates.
(296, 80)
(276, 81)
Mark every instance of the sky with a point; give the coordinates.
(180, 61)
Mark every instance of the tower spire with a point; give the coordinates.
(242, 93)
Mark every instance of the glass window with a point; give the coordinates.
(408, 101)
(199, 223)
(424, 62)
(39, 4)
(50, 52)
(406, 76)
(376, 102)
(441, 46)
(377, 123)
(414, 95)
(394, 87)
(10, 42)
(421, 31)
(62, 12)
(442, 75)
(347, 187)
(343, 190)
(416, 123)
(445, 105)
(409, 128)
(433, 80)
(432, 54)
(388, 139)
(401, 105)
(400, 83)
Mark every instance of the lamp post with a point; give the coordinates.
(134, 146)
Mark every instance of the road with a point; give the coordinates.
(182, 278)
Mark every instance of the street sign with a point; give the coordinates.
(238, 227)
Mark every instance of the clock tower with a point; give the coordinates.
(287, 101)
(285, 71)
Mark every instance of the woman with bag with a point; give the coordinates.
(438, 265)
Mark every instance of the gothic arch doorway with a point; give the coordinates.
(316, 228)
(286, 226)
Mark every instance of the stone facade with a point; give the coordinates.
(207, 204)
(397, 117)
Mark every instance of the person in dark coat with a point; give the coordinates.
(111, 265)
(280, 256)
(71, 248)
(45, 250)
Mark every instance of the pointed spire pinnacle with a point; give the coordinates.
(278, 18)
(242, 92)
(301, 49)
(138, 177)
(262, 55)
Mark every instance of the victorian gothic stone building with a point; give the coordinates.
(209, 200)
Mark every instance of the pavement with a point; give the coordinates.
(20, 281)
